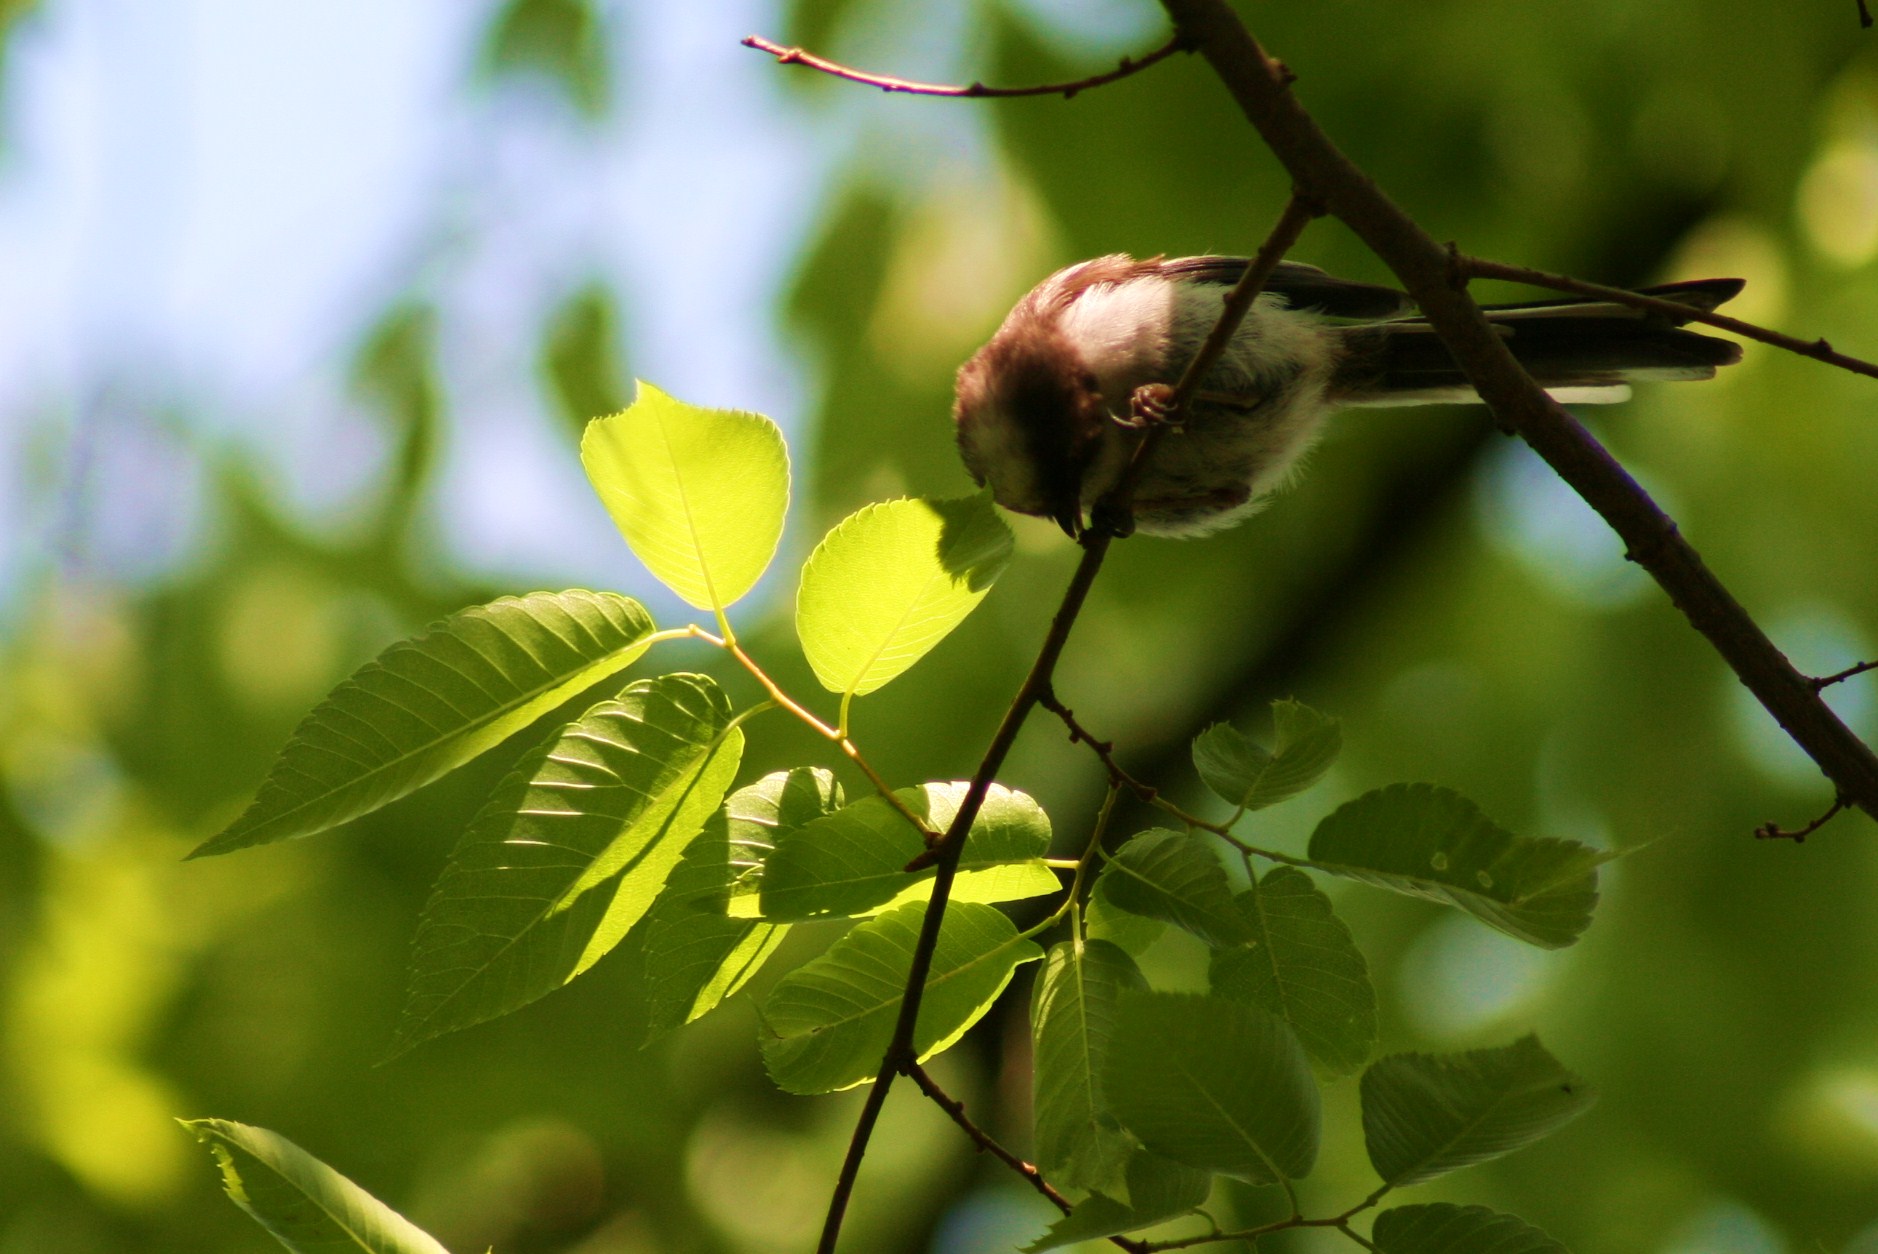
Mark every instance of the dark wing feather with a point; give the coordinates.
(1302, 286)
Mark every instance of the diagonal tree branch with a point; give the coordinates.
(1261, 87)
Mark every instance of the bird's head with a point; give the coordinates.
(1030, 419)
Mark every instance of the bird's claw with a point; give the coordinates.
(1112, 517)
(1154, 405)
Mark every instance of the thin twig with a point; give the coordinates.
(985, 1142)
(1322, 172)
(1119, 777)
(972, 91)
(1839, 677)
(1818, 350)
(944, 854)
(1773, 831)
(1864, 15)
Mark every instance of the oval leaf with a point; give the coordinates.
(827, 1024)
(1305, 744)
(1444, 1228)
(699, 494)
(1425, 1115)
(695, 956)
(427, 705)
(1158, 1190)
(1072, 1016)
(1304, 967)
(1176, 878)
(1215, 1084)
(569, 852)
(854, 861)
(892, 581)
(306, 1205)
(1432, 842)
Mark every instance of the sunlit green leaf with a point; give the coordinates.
(570, 852)
(695, 956)
(854, 861)
(306, 1205)
(427, 705)
(827, 1024)
(1159, 1189)
(699, 494)
(1079, 1144)
(1425, 1115)
(1220, 1085)
(1166, 875)
(1432, 842)
(891, 582)
(1305, 744)
(1302, 965)
(1444, 1228)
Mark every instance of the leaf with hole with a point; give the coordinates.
(1079, 1144)
(1158, 1190)
(1432, 842)
(893, 580)
(1175, 878)
(699, 494)
(1425, 1115)
(1215, 1084)
(303, 1203)
(1302, 965)
(1444, 1228)
(1305, 744)
(696, 956)
(427, 705)
(854, 861)
(827, 1024)
(569, 852)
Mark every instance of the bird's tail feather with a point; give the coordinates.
(1584, 351)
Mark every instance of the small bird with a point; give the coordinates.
(1046, 411)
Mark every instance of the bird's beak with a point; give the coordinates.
(1069, 518)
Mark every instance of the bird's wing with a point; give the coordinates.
(1302, 286)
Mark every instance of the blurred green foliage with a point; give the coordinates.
(1424, 582)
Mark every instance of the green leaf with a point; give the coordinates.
(1079, 1144)
(827, 1024)
(1304, 967)
(699, 494)
(1158, 1190)
(1165, 875)
(562, 40)
(892, 581)
(580, 356)
(1215, 1084)
(569, 852)
(1444, 1228)
(427, 705)
(695, 957)
(1432, 842)
(1425, 1115)
(306, 1205)
(1101, 920)
(1305, 744)
(854, 861)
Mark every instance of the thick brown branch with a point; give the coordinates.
(1322, 172)
(985, 1142)
(886, 82)
(1818, 350)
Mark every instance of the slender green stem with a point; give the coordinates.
(1089, 854)
(784, 701)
